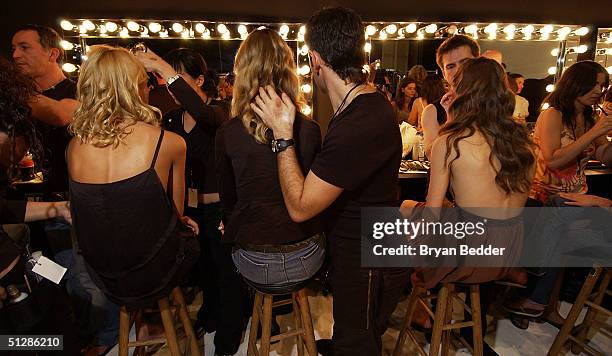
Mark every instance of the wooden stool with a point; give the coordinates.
(166, 311)
(578, 334)
(442, 326)
(262, 314)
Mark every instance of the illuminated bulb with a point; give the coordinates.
(84, 58)
(206, 34)
(69, 67)
(420, 35)
(546, 29)
(111, 26)
(528, 30)
(226, 35)
(102, 30)
(145, 32)
(133, 26)
(582, 31)
(304, 70)
(491, 28)
(222, 28)
(163, 34)
(67, 46)
(473, 29)
(88, 25)
(510, 29)
(609, 69)
(391, 29)
(382, 35)
(185, 33)
(552, 70)
(306, 110)
(563, 32)
(242, 29)
(371, 30)
(545, 106)
(200, 28)
(544, 36)
(306, 88)
(154, 27)
(451, 30)
(87, 48)
(431, 28)
(67, 25)
(609, 40)
(550, 88)
(582, 48)
(401, 33)
(177, 27)
(124, 32)
(284, 30)
(302, 30)
(367, 47)
(411, 28)
(304, 50)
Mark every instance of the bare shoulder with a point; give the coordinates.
(174, 142)
(550, 115)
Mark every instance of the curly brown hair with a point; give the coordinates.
(484, 103)
(15, 119)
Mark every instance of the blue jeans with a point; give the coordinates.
(280, 269)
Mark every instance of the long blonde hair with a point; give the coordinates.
(108, 92)
(264, 58)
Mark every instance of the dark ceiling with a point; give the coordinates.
(17, 12)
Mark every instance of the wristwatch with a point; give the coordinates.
(281, 144)
(172, 79)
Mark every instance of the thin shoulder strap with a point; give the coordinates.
(159, 141)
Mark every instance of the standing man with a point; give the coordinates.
(451, 53)
(357, 167)
(38, 54)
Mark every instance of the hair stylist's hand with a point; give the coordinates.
(447, 100)
(192, 224)
(602, 126)
(155, 64)
(278, 113)
(63, 210)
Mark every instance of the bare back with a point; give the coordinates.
(94, 165)
(473, 178)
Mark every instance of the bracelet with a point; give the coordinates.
(172, 79)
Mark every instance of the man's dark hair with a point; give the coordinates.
(452, 43)
(48, 37)
(337, 34)
(189, 61)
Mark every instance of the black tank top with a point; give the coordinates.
(440, 113)
(126, 234)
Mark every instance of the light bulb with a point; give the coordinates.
(67, 25)
(304, 70)
(133, 26)
(582, 31)
(367, 47)
(382, 35)
(304, 50)
(564, 31)
(185, 34)
(582, 49)
(510, 29)
(491, 28)
(124, 32)
(371, 30)
(552, 70)
(302, 30)
(242, 29)
(546, 29)
(222, 28)
(69, 67)
(111, 26)
(550, 88)
(200, 28)
(545, 106)
(306, 88)
(306, 110)
(411, 28)
(177, 27)
(471, 29)
(155, 27)
(284, 30)
(226, 35)
(528, 30)
(451, 30)
(609, 69)
(431, 28)
(67, 46)
(88, 25)
(391, 29)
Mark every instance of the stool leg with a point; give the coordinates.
(477, 319)
(257, 306)
(297, 319)
(266, 326)
(592, 313)
(446, 335)
(177, 295)
(309, 337)
(167, 320)
(411, 307)
(436, 336)
(124, 331)
(568, 325)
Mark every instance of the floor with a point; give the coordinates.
(505, 339)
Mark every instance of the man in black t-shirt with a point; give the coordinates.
(357, 167)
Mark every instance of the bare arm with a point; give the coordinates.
(178, 173)
(430, 128)
(41, 211)
(549, 131)
(53, 112)
(413, 118)
(439, 173)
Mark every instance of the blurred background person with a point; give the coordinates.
(404, 100)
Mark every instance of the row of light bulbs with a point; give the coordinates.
(484, 31)
(167, 29)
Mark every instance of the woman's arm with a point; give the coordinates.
(413, 118)
(177, 177)
(439, 174)
(225, 176)
(41, 211)
(550, 126)
(430, 128)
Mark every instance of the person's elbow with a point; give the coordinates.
(299, 215)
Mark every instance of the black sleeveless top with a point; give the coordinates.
(127, 233)
(440, 113)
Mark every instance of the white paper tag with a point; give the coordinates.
(49, 269)
(192, 198)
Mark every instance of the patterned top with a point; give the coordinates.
(571, 179)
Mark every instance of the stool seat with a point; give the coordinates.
(267, 289)
(127, 318)
(303, 330)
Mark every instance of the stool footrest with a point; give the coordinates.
(287, 334)
(599, 308)
(280, 303)
(590, 349)
(461, 325)
(160, 340)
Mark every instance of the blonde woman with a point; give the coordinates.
(271, 249)
(122, 169)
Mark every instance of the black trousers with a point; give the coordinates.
(222, 286)
(364, 299)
